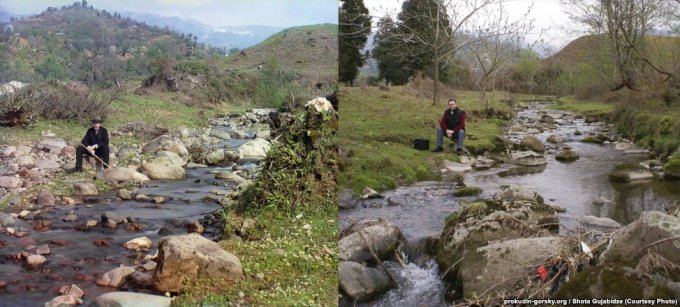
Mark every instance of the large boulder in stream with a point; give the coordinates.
(383, 237)
(531, 142)
(501, 267)
(567, 156)
(167, 143)
(163, 168)
(632, 242)
(254, 149)
(184, 258)
(527, 158)
(118, 175)
(362, 283)
(515, 212)
(627, 172)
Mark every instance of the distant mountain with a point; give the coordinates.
(228, 37)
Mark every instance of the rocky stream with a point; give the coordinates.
(558, 178)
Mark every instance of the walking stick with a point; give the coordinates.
(95, 156)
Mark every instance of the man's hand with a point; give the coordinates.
(449, 133)
(90, 149)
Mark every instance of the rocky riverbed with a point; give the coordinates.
(144, 226)
(555, 174)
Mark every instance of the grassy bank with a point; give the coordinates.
(649, 123)
(292, 263)
(377, 128)
(163, 110)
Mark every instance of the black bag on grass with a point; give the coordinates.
(421, 144)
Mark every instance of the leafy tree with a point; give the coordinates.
(385, 53)
(355, 25)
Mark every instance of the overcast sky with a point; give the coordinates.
(278, 13)
(550, 22)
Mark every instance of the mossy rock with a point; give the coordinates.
(467, 191)
(672, 169)
(593, 140)
(616, 280)
(626, 172)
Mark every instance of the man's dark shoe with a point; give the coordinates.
(73, 170)
(459, 151)
(438, 149)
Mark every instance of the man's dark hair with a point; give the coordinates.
(453, 99)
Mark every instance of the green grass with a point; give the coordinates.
(377, 128)
(570, 103)
(306, 275)
(165, 111)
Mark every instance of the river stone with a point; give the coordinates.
(130, 299)
(167, 143)
(220, 134)
(24, 161)
(118, 175)
(10, 182)
(85, 189)
(488, 271)
(109, 215)
(362, 283)
(116, 277)
(483, 163)
(547, 119)
(215, 156)
(455, 167)
(527, 158)
(184, 258)
(628, 244)
(626, 172)
(64, 300)
(6, 220)
(383, 236)
(138, 244)
(567, 156)
(52, 145)
(228, 176)
(172, 156)
(124, 194)
(555, 139)
(532, 143)
(35, 260)
(237, 134)
(599, 223)
(47, 164)
(72, 290)
(254, 149)
(163, 168)
(45, 198)
(369, 193)
(346, 199)
(517, 193)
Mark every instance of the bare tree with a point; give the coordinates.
(469, 22)
(626, 25)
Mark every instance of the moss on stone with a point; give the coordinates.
(467, 191)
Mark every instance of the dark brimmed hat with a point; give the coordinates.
(97, 120)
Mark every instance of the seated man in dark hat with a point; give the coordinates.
(96, 143)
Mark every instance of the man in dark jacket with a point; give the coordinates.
(96, 142)
(453, 123)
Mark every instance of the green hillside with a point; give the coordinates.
(85, 44)
(310, 52)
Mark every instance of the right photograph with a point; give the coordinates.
(498, 152)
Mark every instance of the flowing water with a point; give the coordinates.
(75, 259)
(420, 210)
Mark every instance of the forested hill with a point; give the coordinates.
(79, 42)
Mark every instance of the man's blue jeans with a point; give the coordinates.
(459, 141)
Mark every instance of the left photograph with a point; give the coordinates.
(168, 153)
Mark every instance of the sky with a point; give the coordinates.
(551, 23)
(277, 13)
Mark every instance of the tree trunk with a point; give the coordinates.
(436, 79)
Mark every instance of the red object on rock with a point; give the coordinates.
(542, 272)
